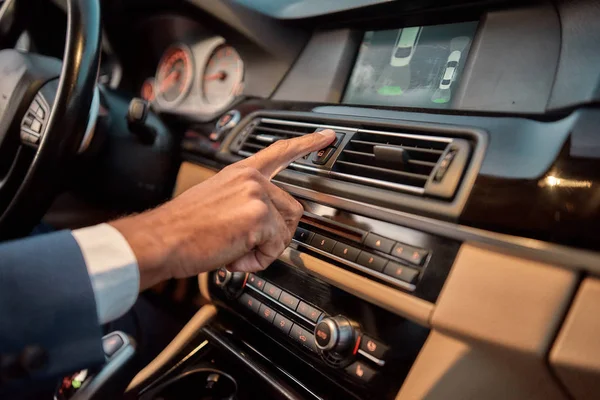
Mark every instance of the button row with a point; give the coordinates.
(283, 297)
(32, 125)
(403, 251)
(365, 258)
(285, 325)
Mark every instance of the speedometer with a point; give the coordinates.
(174, 75)
(223, 76)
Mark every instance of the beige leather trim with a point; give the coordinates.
(203, 285)
(504, 300)
(183, 338)
(190, 175)
(448, 368)
(492, 328)
(385, 297)
(576, 353)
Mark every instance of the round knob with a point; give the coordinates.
(232, 283)
(223, 276)
(335, 334)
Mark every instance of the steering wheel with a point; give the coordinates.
(48, 110)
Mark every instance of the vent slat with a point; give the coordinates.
(286, 132)
(405, 163)
(409, 148)
(371, 155)
(386, 170)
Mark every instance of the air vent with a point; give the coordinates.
(262, 133)
(416, 162)
(391, 160)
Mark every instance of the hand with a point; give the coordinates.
(236, 218)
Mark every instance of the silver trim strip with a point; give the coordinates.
(377, 361)
(440, 139)
(389, 185)
(368, 271)
(534, 249)
(305, 124)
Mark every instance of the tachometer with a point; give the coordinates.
(174, 75)
(147, 91)
(223, 76)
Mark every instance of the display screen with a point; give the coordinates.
(416, 66)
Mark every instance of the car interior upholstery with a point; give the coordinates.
(449, 243)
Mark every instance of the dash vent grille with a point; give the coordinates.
(393, 159)
(406, 161)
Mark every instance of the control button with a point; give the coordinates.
(444, 165)
(361, 371)
(36, 126)
(250, 302)
(323, 335)
(417, 256)
(267, 313)
(289, 300)
(304, 337)
(373, 347)
(322, 156)
(282, 323)
(323, 243)
(34, 106)
(111, 344)
(223, 276)
(346, 252)
(40, 113)
(378, 242)
(411, 254)
(256, 282)
(401, 272)
(308, 311)
(339, 137)
(336, 334)
(272, 290)
(303, 235)
(372, 261)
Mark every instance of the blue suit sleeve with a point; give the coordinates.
(47, 301)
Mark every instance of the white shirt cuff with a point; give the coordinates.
(112, 267)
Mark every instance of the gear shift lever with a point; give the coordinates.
(110, 380)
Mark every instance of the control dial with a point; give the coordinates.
(335, 334)
(232, 283)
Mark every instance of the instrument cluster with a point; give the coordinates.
(200, 79)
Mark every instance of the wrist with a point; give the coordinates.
(151, 251)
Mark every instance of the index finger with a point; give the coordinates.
(282, 153)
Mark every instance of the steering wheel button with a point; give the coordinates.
(36, 126)
(40, 113)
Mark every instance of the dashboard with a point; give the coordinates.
(203, 78)
(449, 245)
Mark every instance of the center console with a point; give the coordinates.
(303, 323)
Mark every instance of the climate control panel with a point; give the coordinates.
(339, 341)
